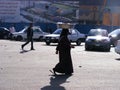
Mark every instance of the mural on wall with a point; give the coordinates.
(9, 11)
(37, 11)
(52, 11)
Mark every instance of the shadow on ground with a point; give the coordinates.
(24, 51)
(118, 59)
(55, 82)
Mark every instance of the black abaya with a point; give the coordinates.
(65, 61)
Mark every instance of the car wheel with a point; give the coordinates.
(114, 43)
(78, 42)
(19, 38)
(10, 36)
(107, 49)
(5, 37)
(40, 38)
(47, 43)
(86, 48)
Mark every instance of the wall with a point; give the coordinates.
(50, 27)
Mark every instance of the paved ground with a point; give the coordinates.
(29, 70)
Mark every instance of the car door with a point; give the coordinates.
(73, 35)
(37, 33)
(24, 34)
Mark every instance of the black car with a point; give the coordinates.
(114, 36)
(5, 33)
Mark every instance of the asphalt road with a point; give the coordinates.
(29, 70)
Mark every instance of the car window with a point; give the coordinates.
(117, 31)
(4, 30)
(24, 30)
(1, 29)
(73, 32)
(92, 33)
(104, 33)
(98, 32)
(58, 31)
(36, 30)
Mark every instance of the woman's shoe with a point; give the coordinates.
(53, 72)
(22, 47)
(32, 49)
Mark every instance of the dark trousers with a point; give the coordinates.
(29, 40)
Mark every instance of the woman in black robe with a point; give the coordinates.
(64, 49)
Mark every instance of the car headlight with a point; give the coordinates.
(88, 40)
(53, 38)
(105, 40)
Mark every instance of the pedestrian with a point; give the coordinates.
(64, 49)
(12, 29)
(29, 37)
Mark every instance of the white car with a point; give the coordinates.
(114, 36)
(117, 47)
(22, 35)
(97, 39)
(74, 36)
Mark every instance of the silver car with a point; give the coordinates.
(97, 39)
(117, 47)
(114, 36)
(22, 35)
(74, 36)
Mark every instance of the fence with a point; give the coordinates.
(50, 27)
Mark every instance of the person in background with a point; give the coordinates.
(29, 37)
(12, 29)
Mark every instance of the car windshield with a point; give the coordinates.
(22, 31)
(71, 31)
(2, 29)
(96, 32)
(117, 31)
(36, 29)
(58, 31)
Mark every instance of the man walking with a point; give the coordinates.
(29, 37)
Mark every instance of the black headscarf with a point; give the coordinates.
(64, 32)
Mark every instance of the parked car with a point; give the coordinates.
(22, 35)
(97, 38)
(74, 36)
(114, 36)
(117, 47)
(5, 33)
